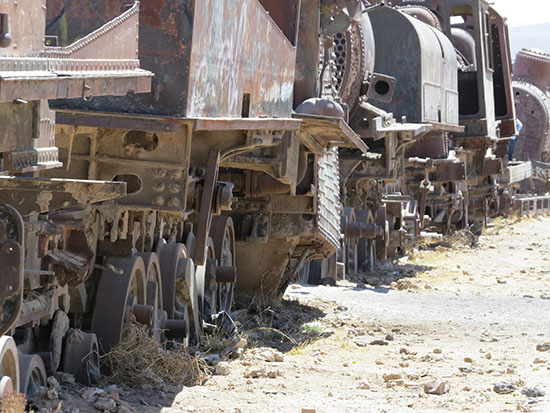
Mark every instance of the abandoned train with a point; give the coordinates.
(253, 142)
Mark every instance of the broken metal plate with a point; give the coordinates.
(319, 132)
(29, 195)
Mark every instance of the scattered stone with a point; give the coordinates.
(436, 387)
(379, 343)
(111, 388)
(466, 388)
(488, 356)
(212, 359)
(437, 351)
(539, 361)
(105, 404)
(65, 378)
(361, 341)
(234, 349)
(533, 392)
(259, 372)
(308, 411)
(404, 284)
(364, 386)
(222, 369)
(394, 383)
(191, 408)
(379, 362)
(468, 360)
(391, 376)
(404, 364)
(331, 282)
(372, 281)
(501, 281)
(543, 347)
(504, 388)
(270, 355)
(89, 394)
(51, 394)
(389, 337)
(53, 383)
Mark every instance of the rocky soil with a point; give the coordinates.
(462, 326)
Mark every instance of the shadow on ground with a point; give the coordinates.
(284, 327)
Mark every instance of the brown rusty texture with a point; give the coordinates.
(211, 58)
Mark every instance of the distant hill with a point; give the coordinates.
(530, 37)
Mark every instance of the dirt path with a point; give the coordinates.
(468, 317)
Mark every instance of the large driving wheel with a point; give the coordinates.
(81, 356)
(350, 251)
(222, 232)
(33, 373)
(9, 366)
(383, 220)
(180, 292)
(154, 293)
(366, 255)
(118, 296)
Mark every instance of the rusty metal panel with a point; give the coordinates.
(239, 51)
(424, 63)
(29, 195)
(101, 63)
(116, 39)
(211, 58)
(320, 132)
(285, 13)
(26, 20)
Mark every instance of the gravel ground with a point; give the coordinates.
(467, 319)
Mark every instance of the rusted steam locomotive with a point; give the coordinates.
(531, 93)
(269, 129)
(437, 126)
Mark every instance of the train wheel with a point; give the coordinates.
(383, 221)
(206, 281)
(9, 366)
(154, 293)
(366, 255)
(351, 244)
(180, 292)
(33, 373)
(81, 357)
(188, 296)
(223, 234)
(118, 296)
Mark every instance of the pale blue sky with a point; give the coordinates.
(524, 12)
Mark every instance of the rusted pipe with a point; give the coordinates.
(363, 230)
(176, 328)
(226, 274)
(143, 314)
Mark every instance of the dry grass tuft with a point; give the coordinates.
(13, 403)
(139, 359)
